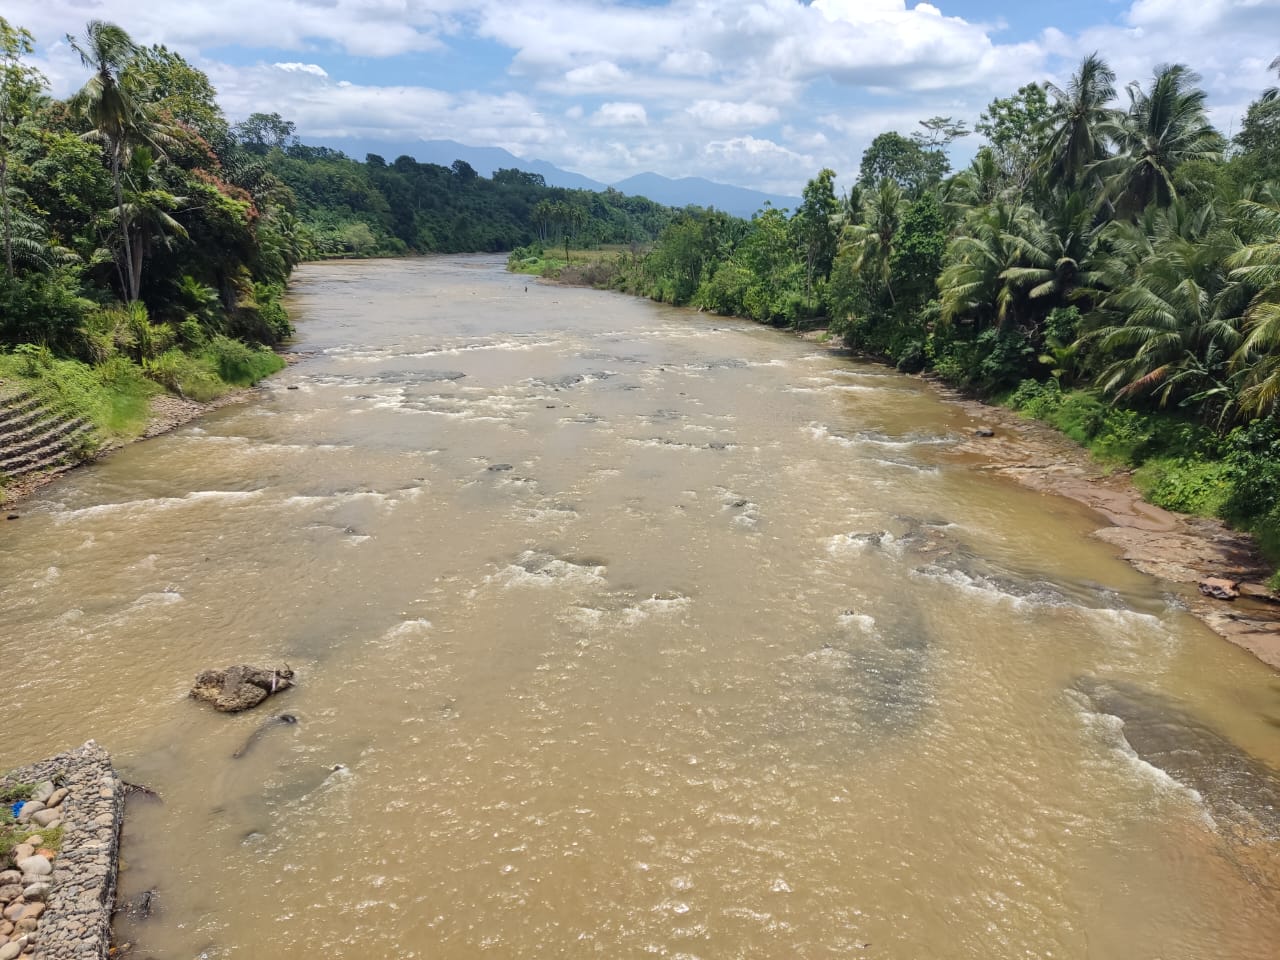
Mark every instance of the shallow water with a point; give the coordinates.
(639, 633)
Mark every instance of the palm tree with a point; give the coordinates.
(119, 117)
(145, 210)
(1258, 265)
(871, 242)
(1164, 128)
(973, 285)
(1272, 94)
(1076, 141)
(1057, 254)
(1173, 319)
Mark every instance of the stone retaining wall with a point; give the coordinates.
(73, 901)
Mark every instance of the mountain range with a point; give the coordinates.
(686, 191)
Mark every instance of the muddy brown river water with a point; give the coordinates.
(638, 633)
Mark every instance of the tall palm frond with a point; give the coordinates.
(1165, 127)
(1077, 140)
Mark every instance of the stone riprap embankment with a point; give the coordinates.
(59, 884)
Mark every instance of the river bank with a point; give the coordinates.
(167, 412)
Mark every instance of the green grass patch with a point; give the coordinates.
(1200, 487)
(113, 397)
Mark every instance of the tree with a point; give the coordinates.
(20, 84)
(939, 133)
(181, 92)
(1172, 321)
(912, 167)
(1164, 128)
(870, 243)
(1076, 140)
(262, 132)
(1258, 265)
(814, 225)
(146, 210)
(1016, 129)
(119, 120)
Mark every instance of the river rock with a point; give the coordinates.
(1219, 588)
(29, 810)
(10, 891)
(10, 876)
(35, 866)
(1256, 591)
(37, 891)
(22, 851)
(984, 432)
(12, 949)
(56, 798)
(14, 910)
(46, 817)
(240, 687)
(43, 791)
(32, 911)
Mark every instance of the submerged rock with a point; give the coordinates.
(1219, 588)
(1240, 790)
(240, 687)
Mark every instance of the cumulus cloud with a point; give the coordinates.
(725, 115)
(762, 93)
(620, 115)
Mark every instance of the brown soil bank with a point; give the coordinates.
(1181, 549)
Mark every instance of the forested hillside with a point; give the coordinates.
(147, 240)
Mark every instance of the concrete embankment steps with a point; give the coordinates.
(35, 436)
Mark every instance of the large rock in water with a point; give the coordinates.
(240, 687)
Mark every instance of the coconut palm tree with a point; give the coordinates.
(1057, 254)
(1165, 127)
(972, 285)
(1174, 316)
(1258, 265)
(1272, 94)
(118, 114)
(1080, 111)
(146, 210)
(871, 241)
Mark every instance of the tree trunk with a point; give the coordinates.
(131, 292)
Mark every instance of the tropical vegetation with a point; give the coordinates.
(1113, 267)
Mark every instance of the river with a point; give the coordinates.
(636, 632)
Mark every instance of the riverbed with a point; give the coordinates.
(622, 630)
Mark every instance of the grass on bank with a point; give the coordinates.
(1178, 464)
(555, 262)
(115, 395)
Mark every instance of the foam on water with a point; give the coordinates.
(538, 569)
(128, 508)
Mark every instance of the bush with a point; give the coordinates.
(1188, 486)
(239, 364)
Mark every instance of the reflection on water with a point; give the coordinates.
(626, 631)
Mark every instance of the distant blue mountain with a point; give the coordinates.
(739, 201)
(684, 192)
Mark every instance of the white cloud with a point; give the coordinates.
(620, 115)
(724, 115)
(760, 92)
(601, 75)
(311, 68)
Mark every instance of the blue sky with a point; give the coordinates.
(761, 93)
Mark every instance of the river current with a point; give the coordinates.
(630, 632)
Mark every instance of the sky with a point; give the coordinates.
(760, 94)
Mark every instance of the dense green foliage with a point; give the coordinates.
(141, 250)
(1118, 265)
(147, 241)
